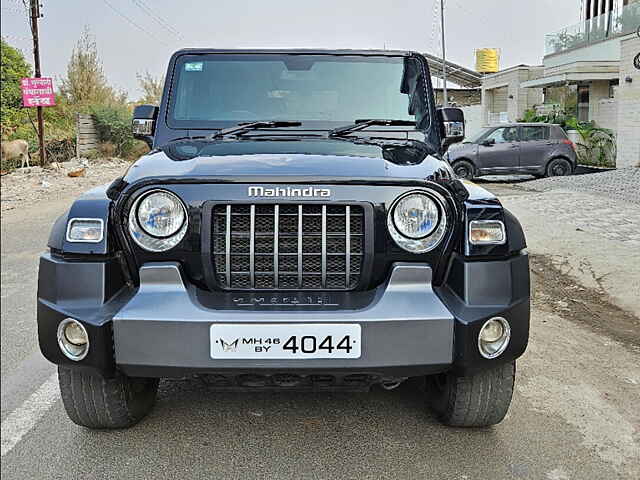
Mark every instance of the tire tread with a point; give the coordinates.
(478, 400)
(104, 403)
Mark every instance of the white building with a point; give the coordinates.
(596, 59)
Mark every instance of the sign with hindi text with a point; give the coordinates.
(37, 92)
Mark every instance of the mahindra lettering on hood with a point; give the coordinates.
(294, 226)
(288, 192)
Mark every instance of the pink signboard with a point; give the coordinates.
(37, 92)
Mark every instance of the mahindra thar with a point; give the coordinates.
(294, 226)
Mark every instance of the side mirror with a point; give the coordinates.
(143, 125)
(489, 143)
(452, 122)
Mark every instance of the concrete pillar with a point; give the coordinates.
(598, 90)
(628, 96)
(486, 102)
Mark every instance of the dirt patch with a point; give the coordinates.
(28, 186)
(553, 291)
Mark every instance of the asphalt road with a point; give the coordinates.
(574, 413)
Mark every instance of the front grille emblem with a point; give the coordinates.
(288, 192)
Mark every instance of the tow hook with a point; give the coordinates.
(392, 383)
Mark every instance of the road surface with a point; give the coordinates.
(574, 413)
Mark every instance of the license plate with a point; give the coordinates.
(285, 341)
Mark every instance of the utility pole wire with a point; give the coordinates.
(134, 24)
(158, 19)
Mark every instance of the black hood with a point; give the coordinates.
(382, 159)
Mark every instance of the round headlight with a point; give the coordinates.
(161, 214)
(158, 221)
(417, 221)
(415, 216)
(494, 337)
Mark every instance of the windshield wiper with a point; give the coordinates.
(362, 124)
(247, 127)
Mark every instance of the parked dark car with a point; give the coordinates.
(294, 226)
(538, 149)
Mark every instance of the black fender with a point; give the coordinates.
(91, 204)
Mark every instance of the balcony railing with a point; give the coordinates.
(603, 27)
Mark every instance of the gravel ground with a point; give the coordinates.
(26, 186)
(574, 415)
(622, 184)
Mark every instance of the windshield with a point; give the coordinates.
(215, 90)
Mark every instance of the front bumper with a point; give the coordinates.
(408, 327)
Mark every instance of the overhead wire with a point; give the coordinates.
(158, 19)
(134, 24)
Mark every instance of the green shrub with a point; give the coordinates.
(113, 123)
(597, 146)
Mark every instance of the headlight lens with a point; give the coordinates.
(487, 232)
(161, 214)
(417, 221)
(158, 221)
(415, 216)
(85, 230)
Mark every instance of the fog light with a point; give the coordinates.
(494, 337)
(73, 339)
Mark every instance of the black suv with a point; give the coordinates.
(293, 226)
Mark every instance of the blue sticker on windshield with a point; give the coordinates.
(193, 67)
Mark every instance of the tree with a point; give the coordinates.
(86, 83)
(14, 67)
(151, 87)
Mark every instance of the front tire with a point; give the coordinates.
(105, 403)
(477, 400)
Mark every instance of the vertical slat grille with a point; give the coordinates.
(288, 246)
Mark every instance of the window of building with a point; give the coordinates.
(583, 103)
(613, 88)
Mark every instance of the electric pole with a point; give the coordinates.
(35, 16)
(445, 100)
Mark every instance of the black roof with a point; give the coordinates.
(305, 51)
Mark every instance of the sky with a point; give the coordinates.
(134, 36)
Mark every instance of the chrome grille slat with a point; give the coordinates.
(300, 246)
(252, 246)
(228, 245)
(276, 241)
(347, 241)
(288, 246)
(324, 246)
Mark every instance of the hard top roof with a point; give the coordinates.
(298, 51)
